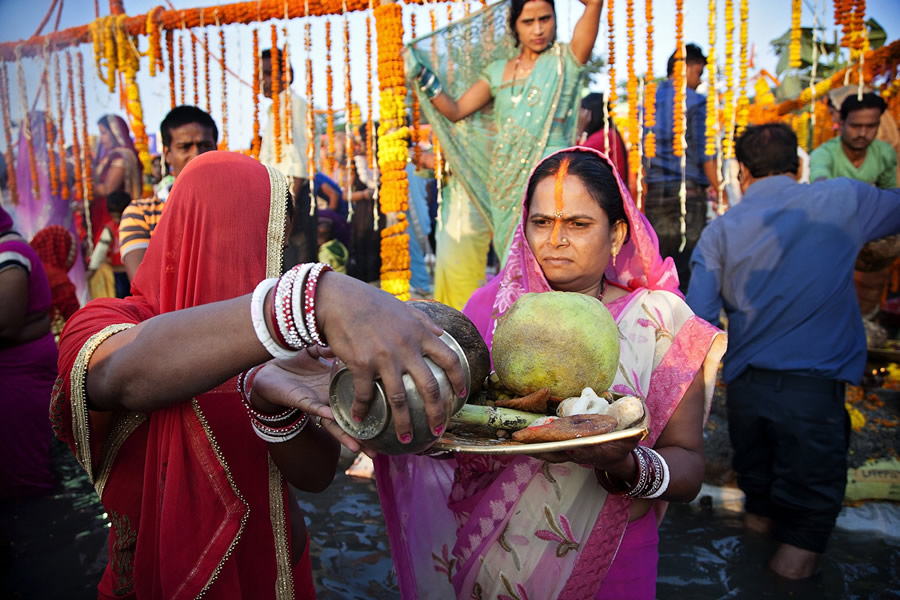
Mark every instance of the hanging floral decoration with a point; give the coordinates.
(843, 10)
(276, 93)
(195, 67)
(650, 88)
(631, 87)
(223, 145)
(7, 131)
(796, 35)
(50, 129)
(416, 117)
(154, 49)
(76, 145)
(370, 143)
(438, 155)
(26, 128)
(329, 101)
(712, 105)
(88, 179)
(728, 114)
(286, 79)
(254, 144)
(611, 59)
(181, 86)
(206, 69)
(60, 131)
(170, 49)
(678, 114)
(310, 118)
(348, 110)
(743, 107)
(391, 151)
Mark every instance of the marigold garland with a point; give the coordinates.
(195, 67)
(60, 131)
(154, 50)
(611, 60)
(7, 131)
(310, 118)
(329, 101)
(650, 88)
(206, 69)
(728, 115)
(370, 143)
(86, 149)
(796, 35)
(416, 134)
(276, 93)
(712, 106)
(76, 146)
(631, 86)
(170, 49)
(843, 10)
(254, 144)
(678, 115)
(743, 107)
(286, 86)
(223, 145)
(348, 109)
(26, 128)
(391, 150)
(181, 95)
(50, 129)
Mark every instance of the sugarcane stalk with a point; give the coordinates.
(495, 417)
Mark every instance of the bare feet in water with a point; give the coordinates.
(792, 562)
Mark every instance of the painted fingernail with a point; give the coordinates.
(357, 418)
(406, 438)
(463, 393)
(439, 430)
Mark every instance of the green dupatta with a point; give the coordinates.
(493, 151)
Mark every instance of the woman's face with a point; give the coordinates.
(106, 137)
(575, 256)
(536, 25)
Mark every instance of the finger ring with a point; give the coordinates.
(318, 420)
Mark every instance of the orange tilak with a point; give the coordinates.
(558, 197)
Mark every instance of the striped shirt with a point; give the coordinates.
(140, 219)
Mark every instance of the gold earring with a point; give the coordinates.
(615, 253)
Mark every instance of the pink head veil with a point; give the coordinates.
(638, 264)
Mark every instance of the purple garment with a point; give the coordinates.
(36, 211)
(28, 372)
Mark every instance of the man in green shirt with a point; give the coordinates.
(856, 153)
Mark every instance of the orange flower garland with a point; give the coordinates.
(195, 68)
(7, 130)
(329, 100)
(843, 10)
(678, 116)
(743, 107)
(796, 35)
(254, 144)
(276, 94)
(310, 118)
(181, 96)
(286, 86)
(60, 131)
(417, 150)
(348, 108)
(859, 38)
(26, 128)
(631, 87)
(170, 49)
(50, 130)
(610, 22)
(223, 145)
(392, 153)
(86, 148)
(728, 106)
(712, 107)
(206, 69)
(650, 88)
(154, 50)
(370, 143)
(76, 151)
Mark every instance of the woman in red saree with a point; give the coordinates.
(56, 247)
(147, 398)
(521, 527)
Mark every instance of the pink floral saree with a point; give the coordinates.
(517, 528)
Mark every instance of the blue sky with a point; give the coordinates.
(768, 19)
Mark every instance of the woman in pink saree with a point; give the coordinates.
(519, 527)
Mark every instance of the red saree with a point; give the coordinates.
(197, 506)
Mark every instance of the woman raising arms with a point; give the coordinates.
(501, 92)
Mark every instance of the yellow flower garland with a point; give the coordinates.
(678, 115)
(796, 35)
(743, 108)
(728, 107)
(632, 88)
(712, 106)
(650, 88)
(392, 151)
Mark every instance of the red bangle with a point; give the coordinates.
(309, 304)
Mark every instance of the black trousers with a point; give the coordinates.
(790, 435)
(663, 209)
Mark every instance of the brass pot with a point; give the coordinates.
(377, 428)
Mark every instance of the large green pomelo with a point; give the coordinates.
(562, 341)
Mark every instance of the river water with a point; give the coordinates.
(57, 543)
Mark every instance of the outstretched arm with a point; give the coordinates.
(586, 29)
(473, 99)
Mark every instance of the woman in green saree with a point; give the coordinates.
(499, 99)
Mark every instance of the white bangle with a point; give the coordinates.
(257, 316)
(665, 482)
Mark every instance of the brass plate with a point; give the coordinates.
(482, 444)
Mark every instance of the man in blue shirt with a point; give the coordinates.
(781, 265)
(661, 204)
